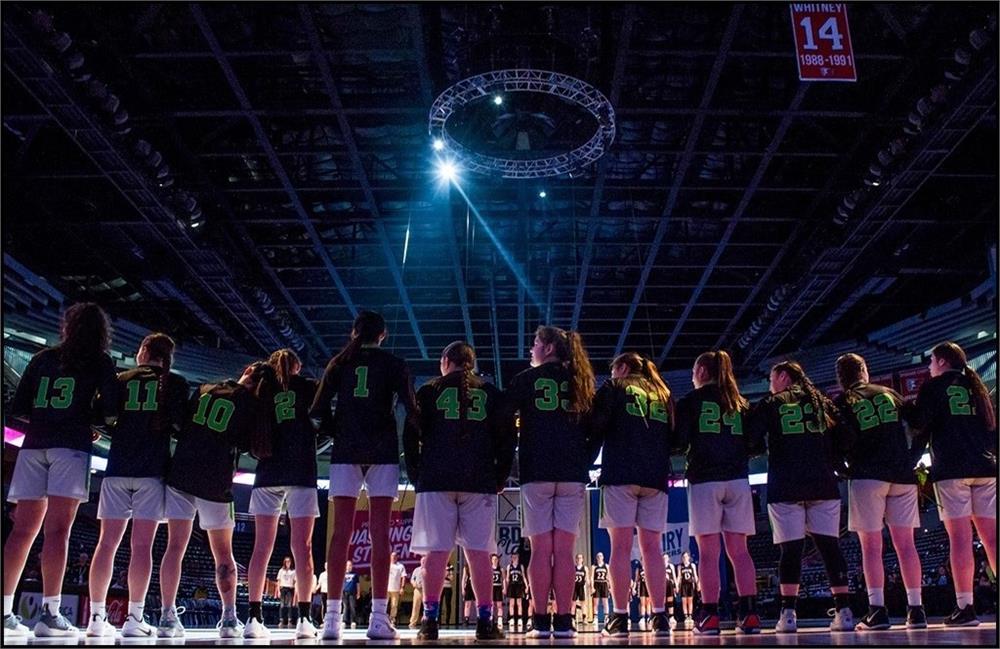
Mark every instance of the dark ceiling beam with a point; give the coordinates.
(765, 162)
(618, 75)
(373, 148)
(553, 193)
(682, 167)
(847, 158)
(625, 111)
(440, 206)
(237, 88)
(320, 57)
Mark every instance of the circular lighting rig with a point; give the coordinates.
(500, 82)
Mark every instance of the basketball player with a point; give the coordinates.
(882, 488)
(601, 600)
(229, 418)
(955, 410)
(516, 590)
(580, 587)
(632, 417)
(552, 398)
(671, 594)
(688, 577)
(799, 425)
(365, 381)
(52, 472)
(710, 433)
(642, 592)
(498, 588)
(468, 596)
(152, 407)
(285, 481)
(459, 452)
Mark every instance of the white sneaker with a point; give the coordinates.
(137, 628)
(787, 621)
(12, 627)
(230, 627)
(673, 623)
(843, 620)
(331, 627)
(99, 626)
(170, 624)
(380, 627)
(254, 628)
(305, 629)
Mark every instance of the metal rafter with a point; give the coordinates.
(427, 95)
(621, 59)
(806, 220)
(265, 142)
(765, 162)
(320, 56)
(682, 168)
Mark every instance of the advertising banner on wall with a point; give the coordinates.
(400, 533)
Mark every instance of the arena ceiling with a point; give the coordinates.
(251, 175)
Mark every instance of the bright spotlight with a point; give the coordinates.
(497, 99)
(542, 194)
(447, 170)
(438, 144)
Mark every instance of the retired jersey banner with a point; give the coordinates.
(823, 41)
(400, 533)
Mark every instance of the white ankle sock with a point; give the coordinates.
(876, 596)
(333, 607)
(913, 597)
(135, 609)
(620, 611)
(8, 605)
(964, 599)
(380, 606)
(98, 608)
(53, 603)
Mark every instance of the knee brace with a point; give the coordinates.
(790, 565)
(833, 559)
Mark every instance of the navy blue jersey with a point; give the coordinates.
(801, 446)
(225, 417)
(293, 457)
(152, 408)
(878, 447)
(713, 440)
(58, 402)
(635, 429)
(552, 444)
(947, 413)
(363, 424)
(451, 450)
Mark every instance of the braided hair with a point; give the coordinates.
(822, 406)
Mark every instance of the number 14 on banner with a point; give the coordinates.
(822, 42)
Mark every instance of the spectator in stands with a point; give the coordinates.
(80, 571)
(121, 580)
(350, 596)
(942, 577)
(985, 592)
(285, 591)
(397, 579)
(322, 584)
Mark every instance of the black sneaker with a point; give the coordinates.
(616, 626)
(428, 630)
(562, 626)
(877, 619)
(962, 617)
(915, 617)
(488, 630)
(661, 625)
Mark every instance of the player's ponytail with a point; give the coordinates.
(849, 370)
(368, 328)
(286, 364)
(955, 356)
(160, 347)
(569, 349)
(645, 368)
(461, 354)
(85, 334)
(263, 384)
(822, 406)
(719, 367)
